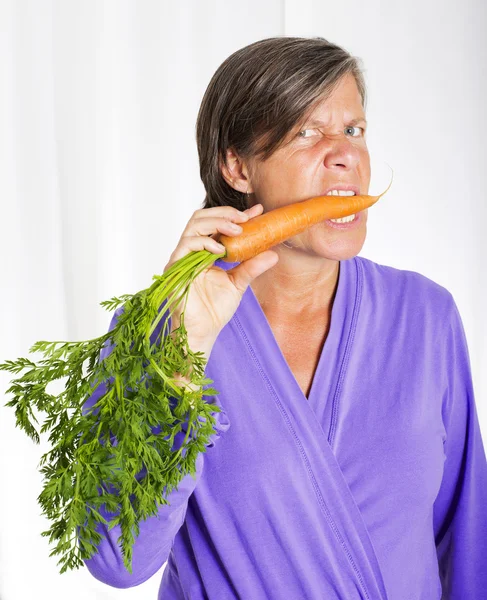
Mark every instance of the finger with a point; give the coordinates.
(254, 210)
(228, 212)
(200, 226)
(194, 243)
(210, 226)
(243, 274)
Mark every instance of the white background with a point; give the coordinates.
(99, 174)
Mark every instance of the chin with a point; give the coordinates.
(338, 246)
(329, 252)
(341, 255)
(332, 244)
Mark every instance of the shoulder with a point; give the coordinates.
(405, 291)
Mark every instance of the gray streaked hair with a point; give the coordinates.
(257, 96)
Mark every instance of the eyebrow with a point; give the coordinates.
(321, 124)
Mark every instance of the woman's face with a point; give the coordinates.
(328, 151)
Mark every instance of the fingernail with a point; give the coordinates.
(235, 227)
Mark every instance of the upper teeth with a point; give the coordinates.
(341, 193)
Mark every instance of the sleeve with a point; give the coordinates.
(156, 534)
(460, 508)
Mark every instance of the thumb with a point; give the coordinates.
(247, 271)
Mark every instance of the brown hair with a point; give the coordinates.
(257, 96)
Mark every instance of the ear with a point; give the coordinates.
(235, 172)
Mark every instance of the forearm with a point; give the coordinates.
(151, 547)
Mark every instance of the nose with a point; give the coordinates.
(341, 153)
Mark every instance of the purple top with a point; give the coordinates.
(374, 488)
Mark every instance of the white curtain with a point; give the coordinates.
(99, 174)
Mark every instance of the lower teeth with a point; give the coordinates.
(348, 220)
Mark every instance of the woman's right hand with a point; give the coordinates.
(215, 294)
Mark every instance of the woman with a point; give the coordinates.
(348, 461)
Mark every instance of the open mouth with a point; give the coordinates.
(347, 219)
(345, 223)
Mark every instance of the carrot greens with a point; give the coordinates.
(119, 453)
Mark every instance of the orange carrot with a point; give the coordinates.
(276, 226)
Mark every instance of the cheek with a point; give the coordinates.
(283, 183)
(365, 162)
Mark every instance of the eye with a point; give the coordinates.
(303, 131)
(363, 130)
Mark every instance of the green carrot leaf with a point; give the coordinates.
(118, 456)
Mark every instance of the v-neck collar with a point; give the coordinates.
(264, 323)
(326, 385)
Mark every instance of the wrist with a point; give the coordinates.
(185, 381)
(204, 346)
(195, 344)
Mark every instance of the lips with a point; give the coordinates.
(343, 186)
(351, 225)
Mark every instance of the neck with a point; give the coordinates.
(297, 287)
